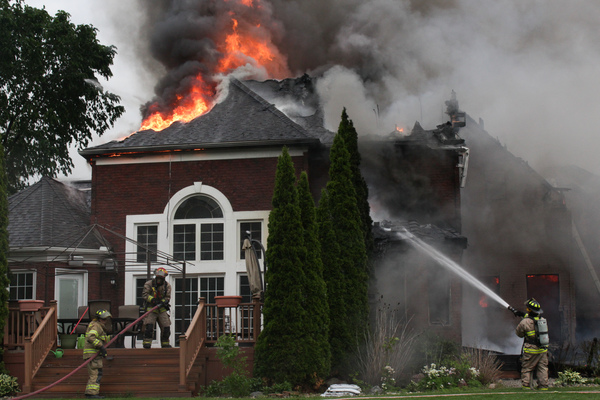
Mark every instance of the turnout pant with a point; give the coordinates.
(534, 362)
(94, 376)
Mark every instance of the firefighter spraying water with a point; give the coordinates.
(534, 330)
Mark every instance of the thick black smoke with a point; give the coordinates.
(184, 37)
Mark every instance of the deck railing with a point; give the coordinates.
(39, 345)
(190, 344)
(242, 322)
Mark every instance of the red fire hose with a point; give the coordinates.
(82, 315)
(89, 360)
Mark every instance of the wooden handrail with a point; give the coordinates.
(39, 345)
(191, 343)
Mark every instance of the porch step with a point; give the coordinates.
(126, 373)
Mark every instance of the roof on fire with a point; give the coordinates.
(243, 119)
(50, 214)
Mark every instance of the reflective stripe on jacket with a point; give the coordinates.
(526, 330)
(95, 338)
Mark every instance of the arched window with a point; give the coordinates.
(198, 217)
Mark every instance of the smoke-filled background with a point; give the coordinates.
(528, 69)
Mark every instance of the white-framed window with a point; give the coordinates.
(255, 229)
(22, 285)
(198, 230)
(147, 238)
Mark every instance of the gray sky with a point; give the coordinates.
(529, 69)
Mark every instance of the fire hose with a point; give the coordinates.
(89, 360)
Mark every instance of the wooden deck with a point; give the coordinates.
(138, 372)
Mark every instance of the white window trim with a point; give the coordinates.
(34, 272)
(228, 267)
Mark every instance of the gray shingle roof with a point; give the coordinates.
(49, 213)
(243, 118)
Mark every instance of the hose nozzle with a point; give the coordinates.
(516, 312)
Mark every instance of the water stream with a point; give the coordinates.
(452, 266)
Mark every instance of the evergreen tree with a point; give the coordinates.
(339, 329)
(348, 132)
(349, 235)
(4, 246)
(317, 354)
(280, 347)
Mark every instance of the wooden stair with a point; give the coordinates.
(126, 373)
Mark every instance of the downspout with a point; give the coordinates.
(586, 258)
(463, 165)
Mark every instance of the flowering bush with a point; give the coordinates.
(458, 374)
(388, 382)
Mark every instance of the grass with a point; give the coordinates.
(560, 393)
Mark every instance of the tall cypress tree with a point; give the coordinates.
(4, 246)
(317, 353)
(279, 348)
(349, 235)
(348, 132)
(339, 329)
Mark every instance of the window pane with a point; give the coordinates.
(439, 296)
(184, 242)
(215, 288)
(199, 207)
(255, 229)
(147, 237)
(21, 286)
(211, 245)
(191, 304)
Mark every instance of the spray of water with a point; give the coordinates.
(452, 266)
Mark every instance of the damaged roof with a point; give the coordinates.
(242, 119)
(50, 214)
(397, 231)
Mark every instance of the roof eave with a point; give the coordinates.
(88, 153)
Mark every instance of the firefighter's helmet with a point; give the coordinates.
(534, 306)
(161, 272)
(103, 314)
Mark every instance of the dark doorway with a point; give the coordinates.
(546, 290)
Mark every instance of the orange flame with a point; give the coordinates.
(246, 43)
(483, 301)
(399, 129)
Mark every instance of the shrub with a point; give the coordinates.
(485, 362)
(385, 351)
(8, 385)
(236, 384)
(569, 377)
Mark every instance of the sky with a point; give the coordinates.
(528, 69)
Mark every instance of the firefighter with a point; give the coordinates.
(95, 340)
(534, 330)
(157, 291)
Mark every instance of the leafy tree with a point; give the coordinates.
(4, 282)
(49, 96)
(347, 226)
(317, 353)
(339, 329)
(348, 132)
(279, 347)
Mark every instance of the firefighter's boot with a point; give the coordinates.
(165, 337)
(147, 342)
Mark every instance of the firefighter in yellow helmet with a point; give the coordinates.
(96, 339)
(157, 291)
(534, 330)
